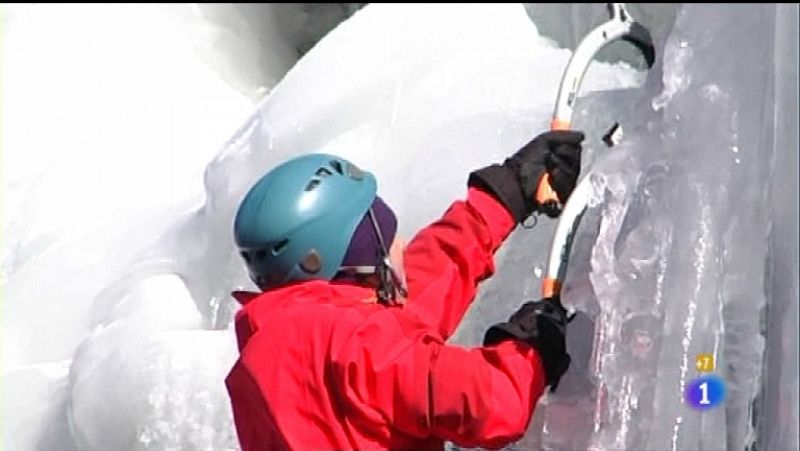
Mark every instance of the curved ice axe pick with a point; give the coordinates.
(619, 26)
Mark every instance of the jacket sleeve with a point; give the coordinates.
(393, 372)
(445, 261)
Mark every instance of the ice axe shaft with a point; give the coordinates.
(620, 26)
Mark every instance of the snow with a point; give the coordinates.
(106, 132)
(118, 255)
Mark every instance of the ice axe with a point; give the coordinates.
(619, 26)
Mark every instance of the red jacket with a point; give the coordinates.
(323, 366)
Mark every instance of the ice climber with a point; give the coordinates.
(345, 345)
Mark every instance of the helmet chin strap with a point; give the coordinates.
(389, 283)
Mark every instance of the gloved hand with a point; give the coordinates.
(543, 325)
(514, 183)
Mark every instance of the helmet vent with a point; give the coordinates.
(337, 166)
(355, 172)
(278, 248)
(312, 263)
(312, 184)
(323, 172)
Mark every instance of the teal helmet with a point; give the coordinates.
(296, 222)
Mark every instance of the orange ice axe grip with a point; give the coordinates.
(550, 287)
(544, 192)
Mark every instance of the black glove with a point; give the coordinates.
(543, 325)
(514, 182)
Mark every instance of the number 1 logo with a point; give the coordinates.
(705, 392)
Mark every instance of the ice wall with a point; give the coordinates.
(684, 238)
(778, 423)
(252, 45)
(709, 282)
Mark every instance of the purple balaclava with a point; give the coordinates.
(364, 248)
